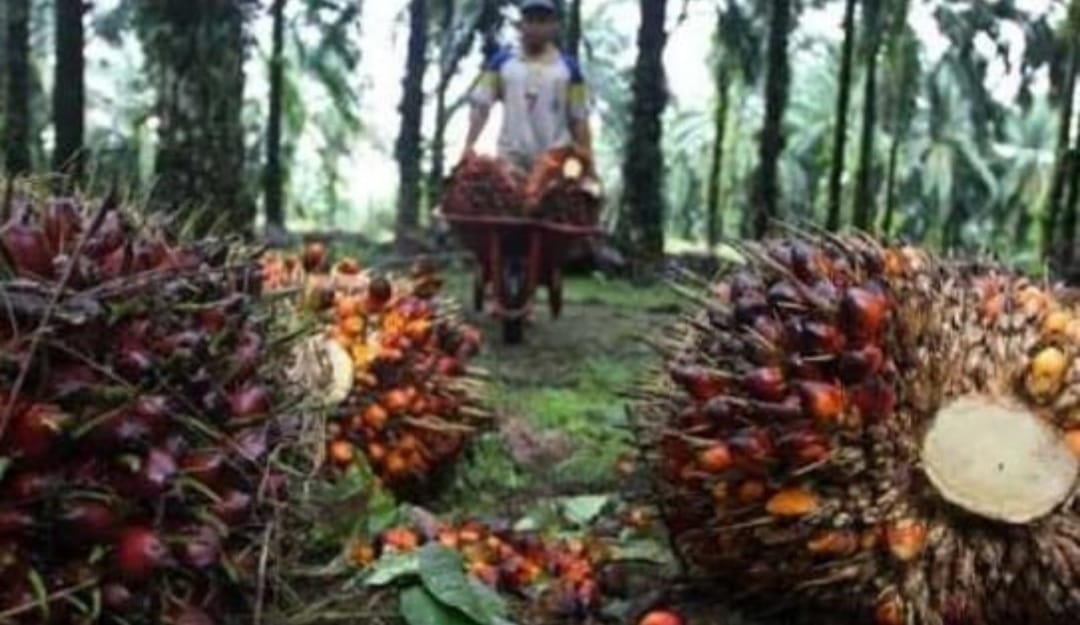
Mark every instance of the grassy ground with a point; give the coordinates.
(563, 419)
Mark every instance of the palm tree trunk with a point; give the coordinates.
(1068, 222)
(1061, 164)
(488, 25)
(17, 111)
(3, 69)
(863, 213)
(68, 95)
(766, 200)
(195, 52)
(890, 184)
(641, 227)
(573, 28)
(408, 150)
(274, 180)
(715, 221)
(442, 117)
(950, 238)
(843, 95)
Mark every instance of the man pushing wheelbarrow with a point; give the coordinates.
(520, 211)
(544, 96)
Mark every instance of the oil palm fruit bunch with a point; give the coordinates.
(874, 431)
(404, 398)
(415, 404)
(562, 188)
(138, 405)
(483, 185)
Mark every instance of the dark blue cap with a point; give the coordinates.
(539, 5)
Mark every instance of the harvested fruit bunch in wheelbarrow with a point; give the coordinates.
(406, 399)
(138, 405)
(877, 433)
(558, 575)
(561, 188)
(483, 185)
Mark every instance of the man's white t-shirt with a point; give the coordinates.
(541, 98)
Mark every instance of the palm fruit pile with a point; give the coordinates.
(483, 185)
(405, 399)
(874, 433)
(558, 575)
(562, 188)
(138, 406)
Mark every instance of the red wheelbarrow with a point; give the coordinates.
(514, 256)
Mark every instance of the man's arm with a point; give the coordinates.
(582, 134)
(486, 91)
(478, 118)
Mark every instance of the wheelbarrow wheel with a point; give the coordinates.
(514, 296)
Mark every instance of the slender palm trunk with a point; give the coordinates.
(766, 201)
(573, 28)
(1069, 221)
(3, 69)
(864, 212)
(843, 95)
(1061, 164)
(68, 95)
(17, 111)
(408, 149)
(274, 183)
(642, 223)
(715, 221)
(890, 184)
(442, 117)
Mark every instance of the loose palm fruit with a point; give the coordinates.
(1046, 374)
(342, 452)
(661, 617)
(716, 458)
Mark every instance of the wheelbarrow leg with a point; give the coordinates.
(555, 295)
(479, 283)
(495, 267)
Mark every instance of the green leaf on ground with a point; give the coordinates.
(641, 549)
(419, 607)
(383, 511)
(443, 574)
(583, 510)
(393, 566)
(493, 603)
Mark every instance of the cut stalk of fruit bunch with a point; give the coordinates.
(135, 422)
(871, 430)
(561, 188)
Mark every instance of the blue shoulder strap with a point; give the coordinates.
(499, 58)
(572, 64)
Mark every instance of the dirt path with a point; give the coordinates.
(563, 418)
